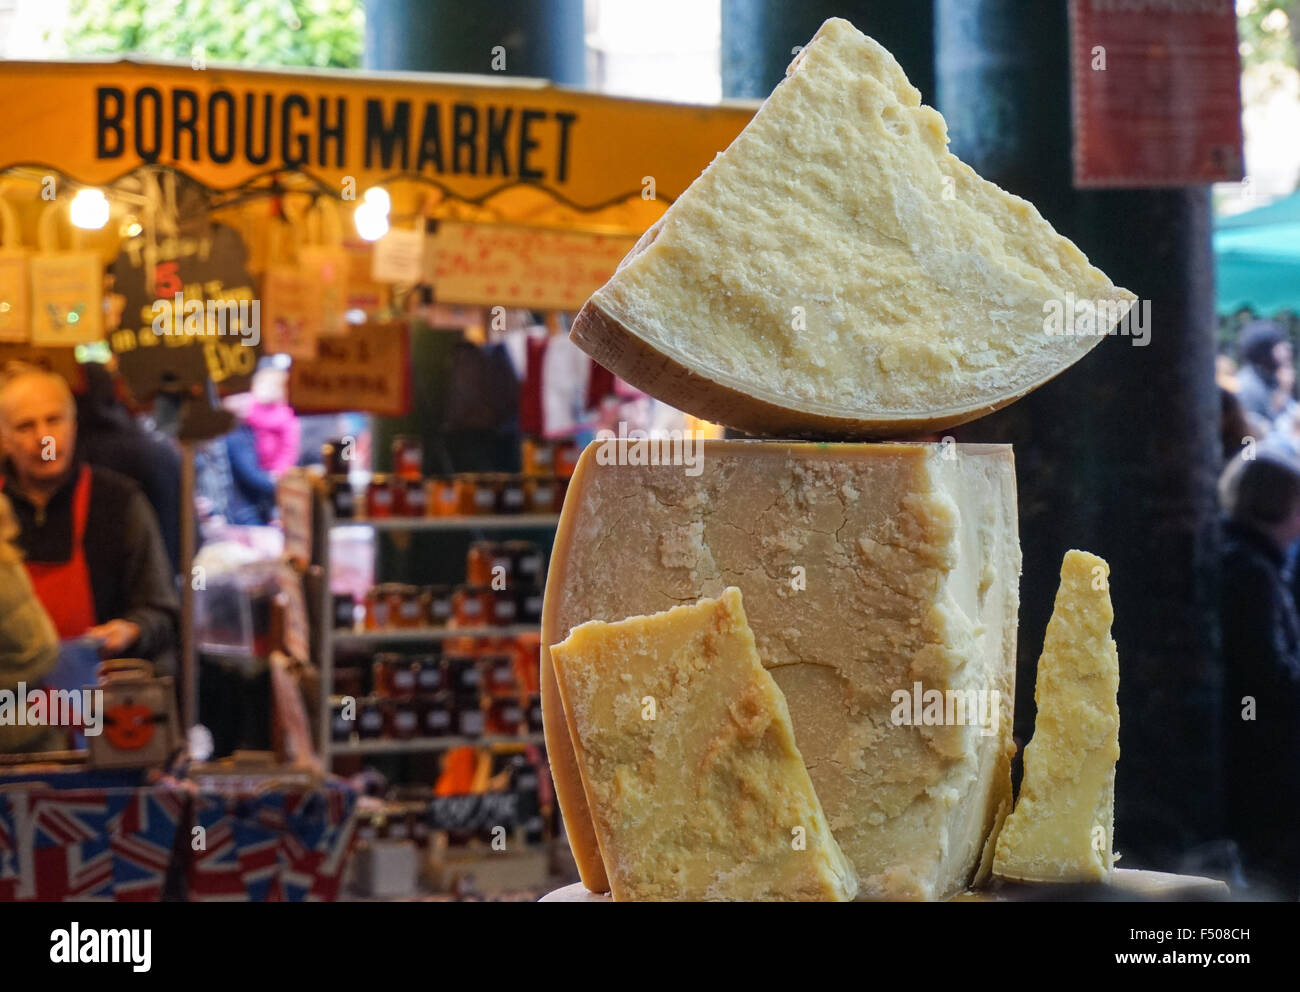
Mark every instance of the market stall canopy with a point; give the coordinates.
(1257, 256)
(520, 150)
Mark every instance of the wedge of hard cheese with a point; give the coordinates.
(688, 762)
(873, 575)
(837, 272)
(1061, 829)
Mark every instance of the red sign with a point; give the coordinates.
(1157, 92)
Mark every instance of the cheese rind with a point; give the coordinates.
(1062, 827)
(866, 569)
(837, 272)
(689, 763)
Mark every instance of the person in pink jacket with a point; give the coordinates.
(273, 422)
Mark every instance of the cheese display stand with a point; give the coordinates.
(880, 581)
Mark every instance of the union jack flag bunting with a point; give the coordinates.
(273, 846)
(87, 844)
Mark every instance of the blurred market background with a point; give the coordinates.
(1121, 455)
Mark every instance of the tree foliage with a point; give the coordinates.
(1269, 31)
(317, 33)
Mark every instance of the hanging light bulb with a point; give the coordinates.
(371, 221)
(89, 209)
(377, 196)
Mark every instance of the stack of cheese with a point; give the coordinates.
(785, 670)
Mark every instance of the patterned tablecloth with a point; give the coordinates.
(123, 844)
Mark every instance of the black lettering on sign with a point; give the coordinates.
(109, 122)
(565, 119)
(327, 132)
(185, 114)
(294, 148)
(300, 129)
(527, 143)
(496, 140)
(148, 140)
(385, 136)
(250, 128)
(464, 132)
(225, 153)
(430, 138)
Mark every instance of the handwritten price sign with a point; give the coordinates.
(491, 265)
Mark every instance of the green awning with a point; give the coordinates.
(1257, 259)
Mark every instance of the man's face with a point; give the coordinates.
(37, 429)
(1282, 353)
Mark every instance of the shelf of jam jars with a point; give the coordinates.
(344, 638)
(522, 521)
(346, 632)
(422, 744)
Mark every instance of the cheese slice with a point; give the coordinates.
(689, 764)
(1062, 827)
(837, 272)
(867, 569)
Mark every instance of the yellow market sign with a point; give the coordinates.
(471, 135)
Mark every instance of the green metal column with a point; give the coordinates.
(759, 36)
(1119, 454)
(541, 38)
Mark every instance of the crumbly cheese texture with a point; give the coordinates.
(837, 258)
(689, 764)
(866, 569)
(1062, 827)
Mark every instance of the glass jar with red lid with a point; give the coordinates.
(486, 489)
(483, 557)
(401, 719)
(539, 494)
(408, 457)
(499, 675)
(410, 610)
(566, 458)
(471, 605)
(437, 609)
(538, 457)
(504, 607)
(378, 609)
(379, 497)
(442, 499)
(436, 715)
(510, 495)
(505, 717)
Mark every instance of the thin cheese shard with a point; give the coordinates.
(1062, 827)
(689, 763)
(868, 570)
(838, 272)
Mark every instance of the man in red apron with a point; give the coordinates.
(90, 540)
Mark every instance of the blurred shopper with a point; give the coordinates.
(273, 423)
(1234, 428)
(89, 538)
(109, 437)
(250, 501)
(1225, 373)
(1266, 378)
(1260, 497)
(29, 646)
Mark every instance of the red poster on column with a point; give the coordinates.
(1156, 92)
